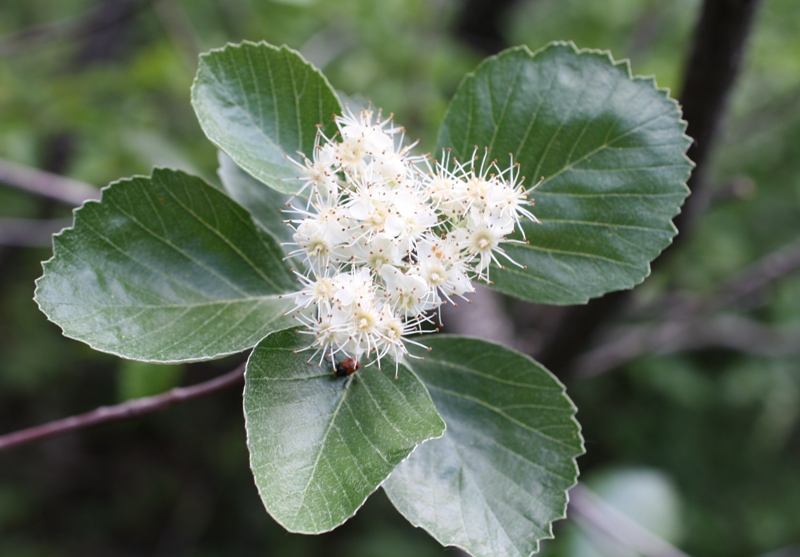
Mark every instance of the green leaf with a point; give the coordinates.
(321, 444)
(264, 203)
(165, 269)
(259, 103)
(499, 476)
(611, 151)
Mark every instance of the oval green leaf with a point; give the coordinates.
(498, 477)
(611, 149)
(321, 444)
(165, 269)
(259, 103)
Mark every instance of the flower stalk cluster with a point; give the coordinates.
(385, 237)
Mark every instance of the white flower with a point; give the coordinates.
(391, 166)
(378, 251)
(481, 240)
(385, 238)
(394, 337)
(408, 293)
(364, 328)
(507, 200)
(318, 237)
(441, 263)
(362, 138)
(328, 325)
(410, 217)
(353, 288)
(446, 190)
(320, 172)
(317, 291)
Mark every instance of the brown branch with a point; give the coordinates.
(124, 411)
(748, 282)
(757, 276)
(46, 184)
(29, 232)
(41, 35)
(179, 29)
(481, 24)
(713, 66)
(590, 510)
(679, 335)
(92, 21)
(690, 324)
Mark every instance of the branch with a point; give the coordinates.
(180, 30)
(690, 323)
(748, 282)
(92, 21)
(713, 66)
(124, 411)
(29, 232)
(481, 24)
(788, 551)
(40, 35)
(46, 184)
(690, 333)
(591, 510)
(757, 276)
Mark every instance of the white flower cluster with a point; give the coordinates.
(385, 237)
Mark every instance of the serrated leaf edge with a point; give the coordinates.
(573, 460)
(368, 495)
(240, 46)
(624, 63)
(71, 229)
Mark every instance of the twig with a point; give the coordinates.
(738, 188)
(716, 57)
(46, 184)
(757, 276)
(179, 29)
(692, 333)
(789, 551)
(40, 35)
(591, 510)
(91, 21)
(124, 411)
(690, 325)
(748, 282)
(480, 24)
(29, 232)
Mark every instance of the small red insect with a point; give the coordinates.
(346, 367)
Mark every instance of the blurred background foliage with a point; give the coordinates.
(699, 441)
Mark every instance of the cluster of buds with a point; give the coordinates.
(385, 238)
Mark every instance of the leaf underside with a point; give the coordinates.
(321, 444)
(165, 269)
(263, 202)
(610, 149)
(498, 477)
